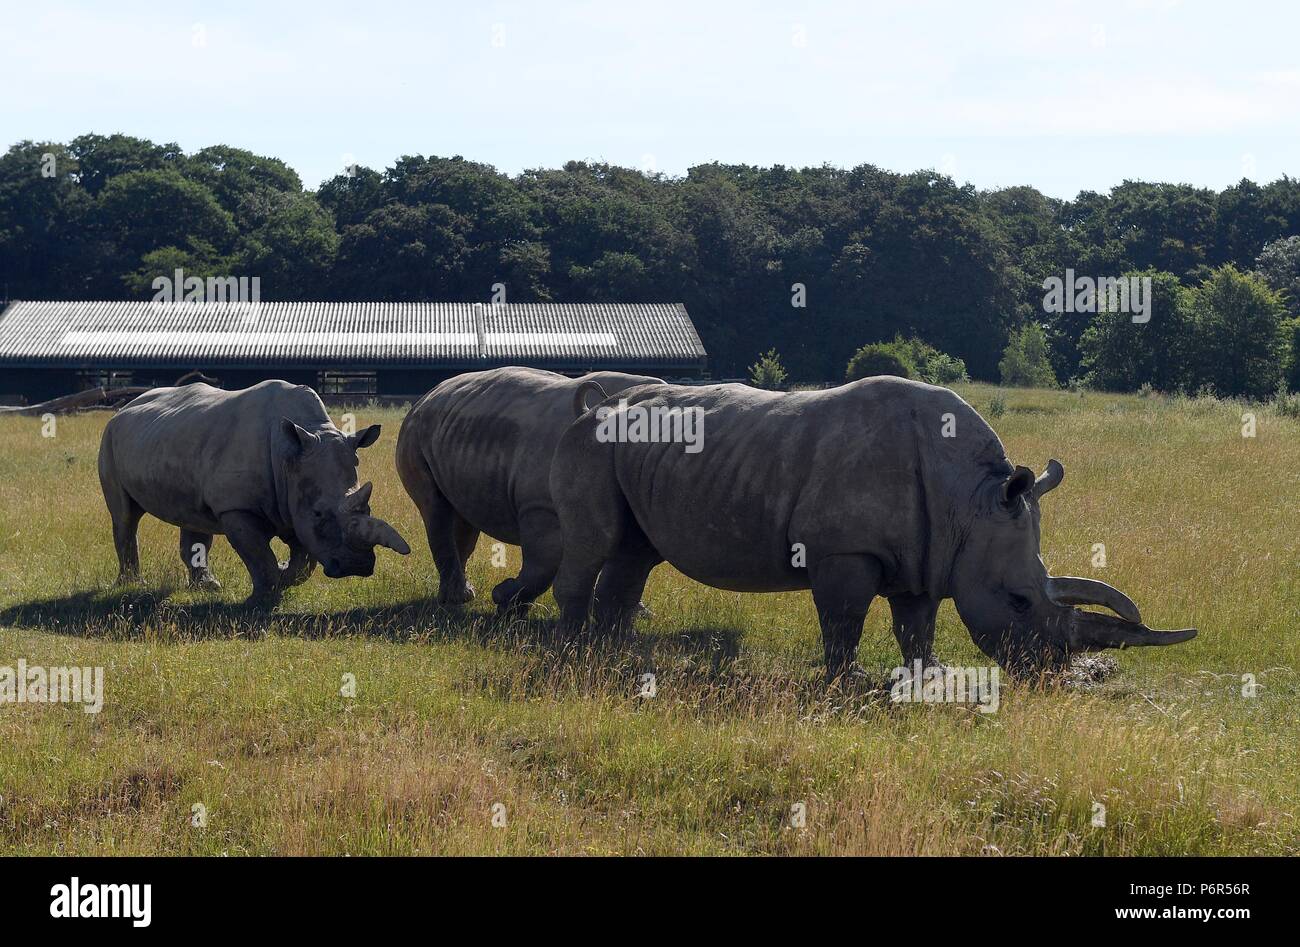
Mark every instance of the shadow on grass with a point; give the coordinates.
(702, 664)
(137, 613)
(134, 613)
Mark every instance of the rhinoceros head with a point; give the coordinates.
(331, 514)
(1016, 612)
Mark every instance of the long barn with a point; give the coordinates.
(358, 349)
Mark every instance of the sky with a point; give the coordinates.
(1064, 96)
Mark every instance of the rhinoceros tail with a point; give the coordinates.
(580, 406)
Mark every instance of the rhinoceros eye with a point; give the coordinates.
(1020, 603)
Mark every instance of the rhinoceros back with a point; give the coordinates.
(188, 454)
(850, 470)
(486, 439)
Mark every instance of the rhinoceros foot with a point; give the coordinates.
(262, 601)
(851, 676)
(455, 594)
(207, 582)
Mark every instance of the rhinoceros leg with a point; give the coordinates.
(298, 568)
(843, 587)
(451, 541)
(623, 579)
(914, 627)
(539, 535)
(196, 547)
(250, 536)
(125, 513)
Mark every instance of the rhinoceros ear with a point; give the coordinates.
(296, 440)
(1017, 485)
(365, 438)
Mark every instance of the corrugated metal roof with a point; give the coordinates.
(363, 334)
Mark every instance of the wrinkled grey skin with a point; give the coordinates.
(254, 464)
(863, 477)
(475, 456)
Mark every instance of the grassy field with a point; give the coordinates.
(458, 718)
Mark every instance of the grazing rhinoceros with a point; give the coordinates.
(880, 487)
(252, 464)
(475, 456)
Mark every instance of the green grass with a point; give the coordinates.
(456, 713)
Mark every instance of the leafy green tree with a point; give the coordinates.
(1238, 345)
(880, 358)
(294, 247)
(141, 211)
(1279, 266)
(198, 259)
(932, 366)
(1122, 355)
(1025, 363)
(46, 248)
(100, 158)
(404, 253)
(768, 372)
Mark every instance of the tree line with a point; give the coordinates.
(810, 263)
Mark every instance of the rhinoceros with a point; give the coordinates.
(253, 464)
(881, 487)
(475, 454)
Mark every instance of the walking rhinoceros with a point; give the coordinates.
(475, 456)
(880, 487)
(253, 464)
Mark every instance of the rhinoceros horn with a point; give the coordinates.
(1049, 479)
(365, 531)
(1090, 631)
(1071, 590)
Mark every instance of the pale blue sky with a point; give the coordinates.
(1064, 96)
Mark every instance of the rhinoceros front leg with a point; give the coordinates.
(539, 537)
(299, 567)
(843, 587)
(196, 548)
(250, 536)
(914, 627)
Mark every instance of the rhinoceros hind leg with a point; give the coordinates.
(126, 514)
(843, 587)
(451, 541)
(623, 579)
(539, 534)
(196, 550)
(250, 536)
(914, 627)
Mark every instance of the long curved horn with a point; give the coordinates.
(580, 397)
(1090, 631)
(1049, 479)
(1071, 590)
(365, 532)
